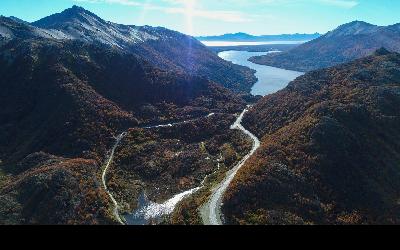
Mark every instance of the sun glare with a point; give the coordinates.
(189, 14)
(143, 13)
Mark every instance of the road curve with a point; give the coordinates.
(211, 211)
(103, 177)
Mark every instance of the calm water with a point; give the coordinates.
(270, 79)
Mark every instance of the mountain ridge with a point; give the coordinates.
(166, 49)
(244, 37)
(329, 152)
(346, 43)
(63, 101)
(353, 28)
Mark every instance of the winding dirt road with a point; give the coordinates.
(211, 212)
(103, 177)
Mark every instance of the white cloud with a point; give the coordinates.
(181, 7)
(335, 3)
(225, 16)
(348, 4)
(196, 8)
(122, 2)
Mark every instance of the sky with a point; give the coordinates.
(215, 17)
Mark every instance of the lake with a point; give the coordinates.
(270, 79)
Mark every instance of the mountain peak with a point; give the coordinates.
(71, 15)
(357, 22)
(76, 7)
(357, 25)
(77, 10)
(353, 28)
(241, 33)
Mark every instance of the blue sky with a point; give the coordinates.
(212, 17)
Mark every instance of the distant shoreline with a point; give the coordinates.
(255, 48)
(244, 43)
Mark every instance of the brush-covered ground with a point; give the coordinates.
(330, 150)
(163, 162)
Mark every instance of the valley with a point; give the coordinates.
(122, 123)
(270, 81)
(151, 212)
(68, 99)
(157, 196)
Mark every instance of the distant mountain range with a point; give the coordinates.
(346, 43)
(330, 149)
(243, 37)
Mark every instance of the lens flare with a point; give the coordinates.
(189, 14)
(143, 13)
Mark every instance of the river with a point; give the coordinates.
(270, 79)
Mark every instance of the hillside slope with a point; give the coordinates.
(346, 43)
(166, 49)
(330, 149)
(62, 102)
